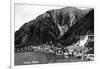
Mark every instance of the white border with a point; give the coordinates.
(40, 65)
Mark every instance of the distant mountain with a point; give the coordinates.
(63, 26)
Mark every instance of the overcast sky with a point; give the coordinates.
(25, 13)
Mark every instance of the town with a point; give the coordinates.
(77, 50)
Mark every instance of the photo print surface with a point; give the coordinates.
(46, 34)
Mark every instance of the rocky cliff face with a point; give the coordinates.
(62, 26)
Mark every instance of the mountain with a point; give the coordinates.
(63, 26)
(84, 26)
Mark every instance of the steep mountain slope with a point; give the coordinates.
(84, 26)
(58, 25)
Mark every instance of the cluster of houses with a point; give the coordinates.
(24, 49)
(76, 49)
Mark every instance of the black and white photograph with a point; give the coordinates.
(48, 34)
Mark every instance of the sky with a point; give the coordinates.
(26, 12)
